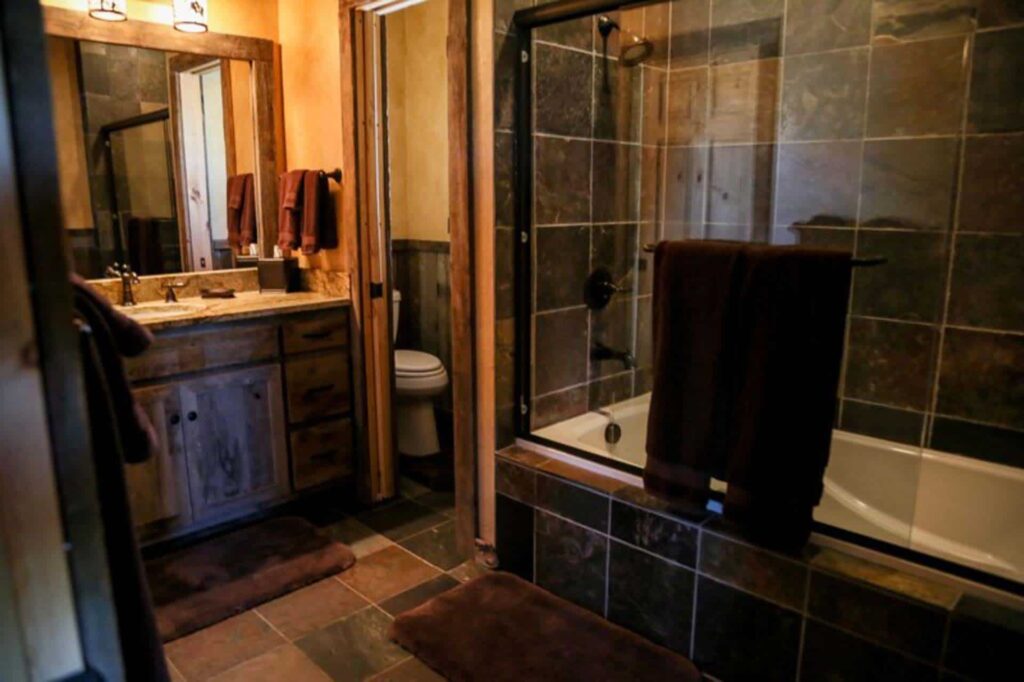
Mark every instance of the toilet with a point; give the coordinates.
(419, 378)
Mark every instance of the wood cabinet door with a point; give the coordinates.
(234, 440)
(158, 488)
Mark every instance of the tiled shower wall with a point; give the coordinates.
(892, 128)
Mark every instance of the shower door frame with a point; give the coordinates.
(525, 20)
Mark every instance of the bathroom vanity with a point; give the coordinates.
(251, 398)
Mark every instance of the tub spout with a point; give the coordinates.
(600, 352)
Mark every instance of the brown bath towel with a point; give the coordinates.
(792, 318)
(748, 343)
(289, 199)
(319, 227)
(694, 316)
(241, 210)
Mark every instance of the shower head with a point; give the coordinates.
(633, 49)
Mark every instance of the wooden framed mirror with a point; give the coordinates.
(155, 129)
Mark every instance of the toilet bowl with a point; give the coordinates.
(419, 378)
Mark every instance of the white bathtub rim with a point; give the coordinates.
(819, 539)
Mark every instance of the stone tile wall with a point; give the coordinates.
(887, 127)
(688, 582)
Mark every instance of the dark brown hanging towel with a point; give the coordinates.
(289, 220)
(319, 227)
(792, 305)
(241, 210)
(121, 432)
(694, 284)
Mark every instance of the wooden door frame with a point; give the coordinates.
(361, 150)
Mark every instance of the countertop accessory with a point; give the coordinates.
(217, 292)
(278, 274)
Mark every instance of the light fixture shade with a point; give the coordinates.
(190, 16)
(108, 10)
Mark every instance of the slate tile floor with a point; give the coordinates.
(336, 629)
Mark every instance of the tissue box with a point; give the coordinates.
(278, 275)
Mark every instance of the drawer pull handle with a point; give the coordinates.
(326, 456)
(175, 419)
(323, 334)
(192, 416)
(317, 390)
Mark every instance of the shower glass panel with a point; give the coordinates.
(716, 119)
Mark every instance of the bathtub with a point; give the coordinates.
(955, 508)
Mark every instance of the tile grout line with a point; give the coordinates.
(803, 625)
(696, 587)
(857, 220)
(390, 667)
(608, 562)
(266, 620)
(936, 382)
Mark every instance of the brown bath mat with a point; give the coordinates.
(499, 627)
(226, 575)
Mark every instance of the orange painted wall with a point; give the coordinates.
(311, 79)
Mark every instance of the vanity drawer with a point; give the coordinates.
(321, 453)
(202, 350)
(329, 330)
(318, 386)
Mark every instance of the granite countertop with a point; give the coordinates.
(157, 315)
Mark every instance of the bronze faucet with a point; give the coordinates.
(170, 296)
(128, 278)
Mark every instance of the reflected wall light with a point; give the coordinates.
(108, 10)
(190, 16)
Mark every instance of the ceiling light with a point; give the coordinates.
(190, 16)
(108, 10)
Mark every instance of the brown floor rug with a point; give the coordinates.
(501, 628)
(223, 576)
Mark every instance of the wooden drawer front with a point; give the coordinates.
(321, 453)
(318, 386)
(329, 330)
(196, 351)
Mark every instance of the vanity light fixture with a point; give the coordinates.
(190, 16)
(108, 10)
(395, 7)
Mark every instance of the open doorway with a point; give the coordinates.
(410, 60)
(416, 156)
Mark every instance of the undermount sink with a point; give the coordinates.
(147, 312)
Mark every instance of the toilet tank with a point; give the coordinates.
(396, 304)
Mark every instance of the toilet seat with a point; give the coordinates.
(416, 363)
(418, 374)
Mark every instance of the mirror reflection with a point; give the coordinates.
(156, 156)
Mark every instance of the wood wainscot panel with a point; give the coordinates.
(210, 348)
(322, 453)
(318, 386)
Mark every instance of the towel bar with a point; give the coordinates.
(854, 262)
(333, 175)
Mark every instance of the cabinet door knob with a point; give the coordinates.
(192, 416)
(256, 395)
(175, 419)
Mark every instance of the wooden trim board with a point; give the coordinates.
(67, 23)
